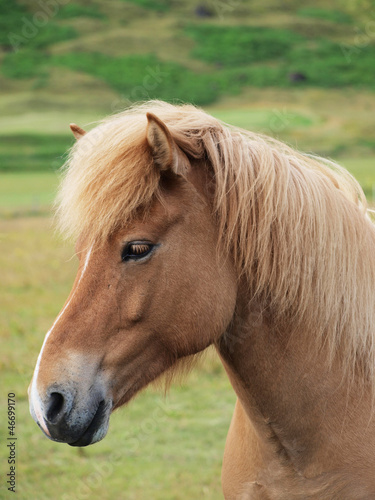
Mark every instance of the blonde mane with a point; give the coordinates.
(296, 225)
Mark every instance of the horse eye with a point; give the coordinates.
(136, 250)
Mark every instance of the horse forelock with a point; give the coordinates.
(295, 224)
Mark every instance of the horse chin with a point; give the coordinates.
(98, 426)
(91, 437)
(95, 431)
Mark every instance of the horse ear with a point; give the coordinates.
(165, 152)
(78, 132)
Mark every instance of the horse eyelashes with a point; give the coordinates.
(134, 251)
(139, 249)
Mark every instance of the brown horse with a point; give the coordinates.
(191, 233)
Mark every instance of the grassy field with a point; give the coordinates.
(24, 193)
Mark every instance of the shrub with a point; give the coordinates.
(25, 63)
(158, 5)
(18, 29)
(33, 152)
(325, 64)
(72, 10)
(10, 19)
(238, 45)
(142, 77)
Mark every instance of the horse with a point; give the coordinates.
(192, 233)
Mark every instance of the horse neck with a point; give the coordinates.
(299, 409)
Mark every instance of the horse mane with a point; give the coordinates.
(296, 224)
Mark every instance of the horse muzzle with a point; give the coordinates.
(66, 417)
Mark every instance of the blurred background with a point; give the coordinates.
(301, 72)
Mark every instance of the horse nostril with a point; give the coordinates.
(54, 411)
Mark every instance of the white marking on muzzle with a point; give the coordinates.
(34, 395)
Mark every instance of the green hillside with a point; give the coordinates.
(185, 50)
(81, 60)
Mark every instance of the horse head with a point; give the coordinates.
(151, 292)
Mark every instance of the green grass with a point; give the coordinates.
(142, 77)
(157, 5)
(323, 62)
(73, 10)
(24, 64)
(21, 27)
(27, 192)
(11, 16)
(335, 16)
(46, 36)
(34, 152)
(260, 119)
(363, 169)
(241, 45)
